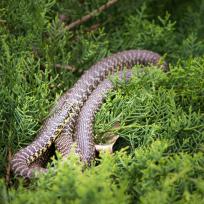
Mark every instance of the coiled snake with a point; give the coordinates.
(78, 105)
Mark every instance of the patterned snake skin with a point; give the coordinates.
(84, 126)
(59, 127)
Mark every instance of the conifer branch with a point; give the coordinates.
(90, 15)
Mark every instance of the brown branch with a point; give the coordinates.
(2, 21)
(90, 15)
(93, 27)
(67, 67)
(8, 167)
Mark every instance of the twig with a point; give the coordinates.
(8, 168)
(93, 27)
(67, 67)
(91, 15)
(2, 21)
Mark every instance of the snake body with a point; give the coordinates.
(59, 127)
(84, 124)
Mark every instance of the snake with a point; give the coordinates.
(71, 120)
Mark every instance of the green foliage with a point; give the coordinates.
(154, 105)
(158, 116)
(66, 183)
(157, 177)
(148, 175)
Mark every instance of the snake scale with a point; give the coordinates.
(71, 121)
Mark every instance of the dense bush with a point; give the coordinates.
(158, 116)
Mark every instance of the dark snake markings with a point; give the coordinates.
(78, 104)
